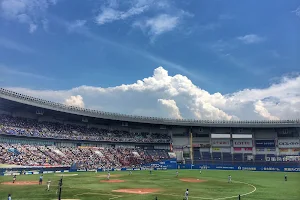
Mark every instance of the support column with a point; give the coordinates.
(191, 146)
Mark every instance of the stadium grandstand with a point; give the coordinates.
(36, 132)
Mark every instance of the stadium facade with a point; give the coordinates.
(249, 145)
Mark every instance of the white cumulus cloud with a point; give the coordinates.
(261, 110)
(170, 107)
(75, 101)
(251, 39)
(176, 96)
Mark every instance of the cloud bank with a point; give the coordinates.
(29, 12)
(162, 95)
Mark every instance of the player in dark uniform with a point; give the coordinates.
(41, 180)
(285, 177)
(14, 178)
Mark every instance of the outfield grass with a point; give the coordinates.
(87, 186)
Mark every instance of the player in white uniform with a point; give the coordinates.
(186, 195)
(9, 197)
(48, 184)
(130, 173)
(176, 173)
(229, 179)
(108, 175)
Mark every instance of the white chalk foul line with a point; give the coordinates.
(222, 198)
(254, 189)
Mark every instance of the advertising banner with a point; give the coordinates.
(248, 149)
(204, 145)
(283, 150)
(237, 149)
(265, 143)
(201, 145)
(288, 143)
(265, 150)
(260, 149)
(221, 143)
(281, 168)
(242, 143)
(242, 150)
(216, 149)
(270, 149)
(293, 158)
(221, 149)
(296, 150)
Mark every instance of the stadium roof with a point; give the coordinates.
(40, 103)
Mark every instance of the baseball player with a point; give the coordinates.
(48, 184)
(229, 179)
(108, 175)
(186, 195)
(41, 180)
(14, 178)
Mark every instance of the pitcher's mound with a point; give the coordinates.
(137, 190)
(112, 181)
(192, 180)
(21, 183)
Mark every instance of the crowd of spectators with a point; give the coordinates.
(82, 157)
(34, 128)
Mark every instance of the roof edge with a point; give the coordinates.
(21, 98)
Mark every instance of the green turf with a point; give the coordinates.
(87, 186)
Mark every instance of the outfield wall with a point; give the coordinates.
(163, 165)
(283, 168)
(28, 170)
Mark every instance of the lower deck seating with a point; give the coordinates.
(88, 158)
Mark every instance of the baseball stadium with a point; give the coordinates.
(50, 151)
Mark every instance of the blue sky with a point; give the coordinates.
(221, 46)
